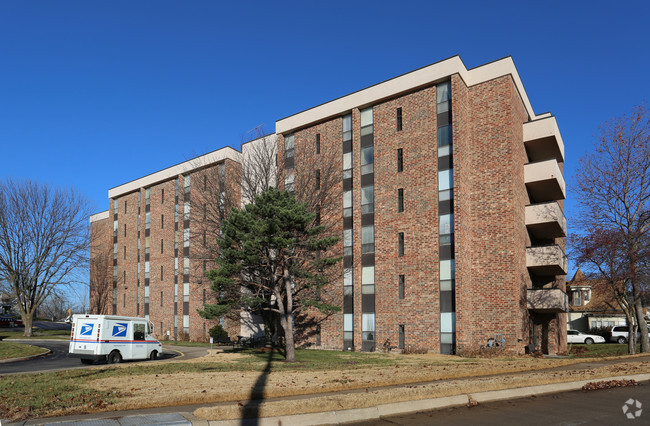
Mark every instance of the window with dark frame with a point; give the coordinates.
(204, 296)
(162, 196)
(400, 160)
(399, 119)
(161, 303)
(162, 221)
(400, 342)
(125, 201)
(400, 200)
(317, 143)
(401, 286)
(124, 252)
(125, 229)
(161, 246)
(318, 179)
(400, 244)
(124, 300)
(161, 272)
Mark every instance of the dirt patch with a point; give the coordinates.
(421, 374)
(372, 397)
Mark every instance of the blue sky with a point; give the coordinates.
(97, 93)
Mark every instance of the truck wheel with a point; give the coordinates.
(86, 361)
(621, 340)
(154, 355)
(589, 341)
(114, 357)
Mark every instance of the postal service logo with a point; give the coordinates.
(86, 330)
(119, 329)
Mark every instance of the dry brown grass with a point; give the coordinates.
(370, 397)
(425, 376)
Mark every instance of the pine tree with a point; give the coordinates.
(271, 262)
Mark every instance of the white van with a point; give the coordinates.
(112, 338)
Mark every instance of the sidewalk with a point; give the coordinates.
(183, 415)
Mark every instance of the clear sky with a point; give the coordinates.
(97, 93)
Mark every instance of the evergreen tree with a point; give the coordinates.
(270, 263)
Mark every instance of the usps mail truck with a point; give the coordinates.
(112, 338)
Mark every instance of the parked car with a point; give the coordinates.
(575, 336)
(619, 334)
(7, 321)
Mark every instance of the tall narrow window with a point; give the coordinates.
(124, 252)
(161, 303)
(400, 244)
(125, 229)
(125, 201)
(161, 272)
(204, 296)
(318, 179)
(161, 246)
(162, 221)
(124, 300)
(399, 119)
(400, 160)
(162, 196)
(401, 286)
(400, 200)
(400, 343)
(317, 143)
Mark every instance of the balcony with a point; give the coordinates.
(546, 260)
(544, 181)
(547, 300)
(546, 220)
(543, 141)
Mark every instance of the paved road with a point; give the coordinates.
(58, 359)
(603, 407)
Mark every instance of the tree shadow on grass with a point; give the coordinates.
(251, 410)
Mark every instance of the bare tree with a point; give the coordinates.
(101, 281)
(55, 306)
(613, 186)
(44, 237)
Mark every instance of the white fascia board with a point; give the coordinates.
(404, 83)
(98, 216)
(179, 169)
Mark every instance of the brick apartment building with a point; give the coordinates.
(450, 215)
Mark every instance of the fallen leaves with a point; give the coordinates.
(609, 384)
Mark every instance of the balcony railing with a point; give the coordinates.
(546, 220)
(544, 181)
(543, 141)
(547, 300)
(546, 260)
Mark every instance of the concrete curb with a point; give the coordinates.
(398, 408)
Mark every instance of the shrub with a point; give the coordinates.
(218, 333)
(601, 331)
(183, 336)
(411, 349)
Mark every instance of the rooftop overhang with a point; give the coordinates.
(404, 83)
(546, 220)
(543, 140)
(99, 216)
(544, 181)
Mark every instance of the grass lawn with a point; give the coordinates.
(598, 350)
(181, 343)
(17, 350)
(36, 334)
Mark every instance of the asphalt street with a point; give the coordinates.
(58, 359)
(603, 407)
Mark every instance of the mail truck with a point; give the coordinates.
(112, 338)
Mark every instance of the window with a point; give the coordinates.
(161, 303)
(205, 182)
(125, 201)
(161, 273)
(368, 239)
(124, 252)
(317, 179)
(367, 160)
(576, 298)
(400, 342)
(400, 160)
(161, 246)
(162, 196)
(587, 295)
(288, 147)
(124, 300)
(399, 119)
(401, 286)
(125, 229)
(317, 143)
(162, 221)
(204, 294)
(400, 200)
(367, 199)
(400, 244)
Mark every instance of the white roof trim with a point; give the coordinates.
(179, 169)
(98, 216)
(407, 82)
